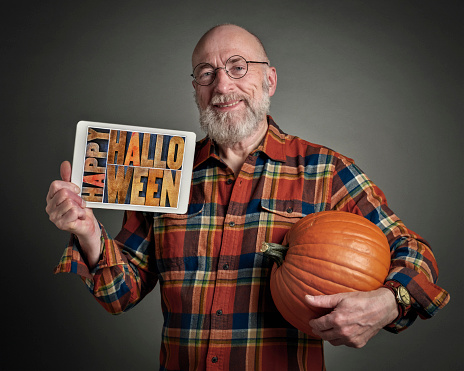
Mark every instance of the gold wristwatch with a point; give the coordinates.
(402, 297)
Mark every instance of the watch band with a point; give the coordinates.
(402, 297)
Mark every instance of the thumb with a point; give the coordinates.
(65, 171)
(322, 301)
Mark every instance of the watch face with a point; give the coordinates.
(404, 295)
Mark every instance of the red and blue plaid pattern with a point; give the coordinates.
(217, 306)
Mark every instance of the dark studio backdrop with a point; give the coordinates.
(379, 81)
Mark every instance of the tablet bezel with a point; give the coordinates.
(79, 157)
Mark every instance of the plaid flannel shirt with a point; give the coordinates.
(214, 282)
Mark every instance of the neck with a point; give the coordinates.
(234, 156)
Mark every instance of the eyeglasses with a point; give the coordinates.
(236, 67)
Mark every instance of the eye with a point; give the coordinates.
(203, 71)
(206, 74)
(237, 71)
(238, 68)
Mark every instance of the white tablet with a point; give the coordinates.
(133, 168)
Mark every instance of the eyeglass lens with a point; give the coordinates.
(236, 67)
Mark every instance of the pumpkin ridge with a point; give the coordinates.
(338, 245)
(283, 303)
(364, 282)
(339, 216)
(371, 230)
(331, 260)
(334, 264)
(367, 224)
(289, 271)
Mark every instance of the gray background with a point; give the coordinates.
(380, 81)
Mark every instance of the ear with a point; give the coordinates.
(272, 80)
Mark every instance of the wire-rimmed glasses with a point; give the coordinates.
(236, 67)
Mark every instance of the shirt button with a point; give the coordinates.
(225, 266)
(232, 224)
(219, 312)
(229, 181)
(289, 210)
(214, 359)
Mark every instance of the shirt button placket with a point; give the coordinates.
(221, 300)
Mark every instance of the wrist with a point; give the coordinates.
(91, 245)
(401, 296)
(391, 305)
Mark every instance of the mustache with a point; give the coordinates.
(223, 98)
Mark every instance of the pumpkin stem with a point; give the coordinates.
(275, 251)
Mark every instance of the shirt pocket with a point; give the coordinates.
(286, 209)
(277, 217)
(178, 253)
(173, 236)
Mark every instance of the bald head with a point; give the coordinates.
(233, 107)
(225, 38)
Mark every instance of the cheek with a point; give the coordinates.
(202, 98)
(253, 88)
(255, 93)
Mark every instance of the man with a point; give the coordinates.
(250, 183)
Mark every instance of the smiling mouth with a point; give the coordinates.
(226, 105)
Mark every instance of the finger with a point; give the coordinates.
(72, 215)
(65, 194)
(67, 214)
(65, 171)
(350, 335)
(336, 319)
(333, 335)
(61, 201)
(59, 185)
(328, 335)
(322, 324)
(326, 330)
(336, 342)
(352, 343)
(322, 301)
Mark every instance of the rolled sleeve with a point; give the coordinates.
(412, 261)
(122, 277)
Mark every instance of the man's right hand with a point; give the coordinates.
(67, 210)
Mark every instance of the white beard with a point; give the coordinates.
(230, 128)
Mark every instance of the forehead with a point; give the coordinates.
(218, 45)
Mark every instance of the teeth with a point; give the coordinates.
(228, 105)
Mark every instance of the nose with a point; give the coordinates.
(223, 83)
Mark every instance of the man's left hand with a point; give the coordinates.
(355, 316)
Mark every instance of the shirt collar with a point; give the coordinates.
(273, 145)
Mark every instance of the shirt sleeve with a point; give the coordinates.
(125, 273)
(412, 261)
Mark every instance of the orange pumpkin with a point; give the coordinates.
(325, 253)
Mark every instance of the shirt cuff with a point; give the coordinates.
(427, 298)
(74, 261)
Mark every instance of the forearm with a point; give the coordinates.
(119, 279)
(412, 262)
(414, 266)
(91, 246)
